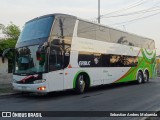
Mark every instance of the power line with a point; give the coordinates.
(133, 13)
(145, 10)
(154, 9)
(136, 4)
(139, 2)
(133, 20)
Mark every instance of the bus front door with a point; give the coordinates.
(55, 75)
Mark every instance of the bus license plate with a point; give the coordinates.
(24, 88)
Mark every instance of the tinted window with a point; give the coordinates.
(151, 44)
(126, 39)
(116, 36)
(105, 60)
(63, 28)
(29, 60)
(123, 61)
(97, 62)
(35, 29)
(86, 30)
(87, 59)
(101, 33)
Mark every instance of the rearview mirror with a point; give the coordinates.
(5, 52)
(40, 53)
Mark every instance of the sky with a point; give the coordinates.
(140, 17)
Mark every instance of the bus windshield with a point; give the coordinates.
(38, 28)
(29, 60)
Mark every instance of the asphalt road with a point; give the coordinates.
(119, 97)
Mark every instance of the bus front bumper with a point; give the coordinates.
(39, 88)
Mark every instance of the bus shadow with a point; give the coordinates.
(111, 86)
(71, 93)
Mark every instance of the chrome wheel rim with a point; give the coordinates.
(140, 79)
(145, 77)
(81, 83)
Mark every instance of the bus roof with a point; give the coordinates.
(50, 15)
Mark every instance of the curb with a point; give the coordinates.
(7, 94)
(7, 89)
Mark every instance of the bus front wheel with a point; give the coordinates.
(80, 84)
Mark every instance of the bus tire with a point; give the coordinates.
(146, 77)
(139, 77)
(80, 84)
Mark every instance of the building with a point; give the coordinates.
(5, 77)
(3, 66)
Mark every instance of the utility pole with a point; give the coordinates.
(99, 17)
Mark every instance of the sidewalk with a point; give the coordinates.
(5, 84)
(6, 89)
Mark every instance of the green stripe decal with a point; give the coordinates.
(148, 52)
(149, 61)
(143, 63)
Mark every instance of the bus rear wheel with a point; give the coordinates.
(139, 77)
(80, 84)
(146, 77)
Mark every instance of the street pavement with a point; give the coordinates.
(117, 97)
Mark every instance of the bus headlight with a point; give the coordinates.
(42, 88)
(39, 81)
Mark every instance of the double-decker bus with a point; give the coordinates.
(58, 52)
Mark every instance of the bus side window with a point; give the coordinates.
(105, 60)
(66, 59)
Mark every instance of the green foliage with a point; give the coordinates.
(8, 43)
(2, 26)
(11, 34)
(11, 31)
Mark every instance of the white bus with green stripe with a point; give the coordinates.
(59, 52)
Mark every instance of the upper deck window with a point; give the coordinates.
(101, 33)
(38, 28)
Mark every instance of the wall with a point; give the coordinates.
(3, 66)
(5, 78)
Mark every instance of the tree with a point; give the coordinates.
(10, 31)
(1, 26)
